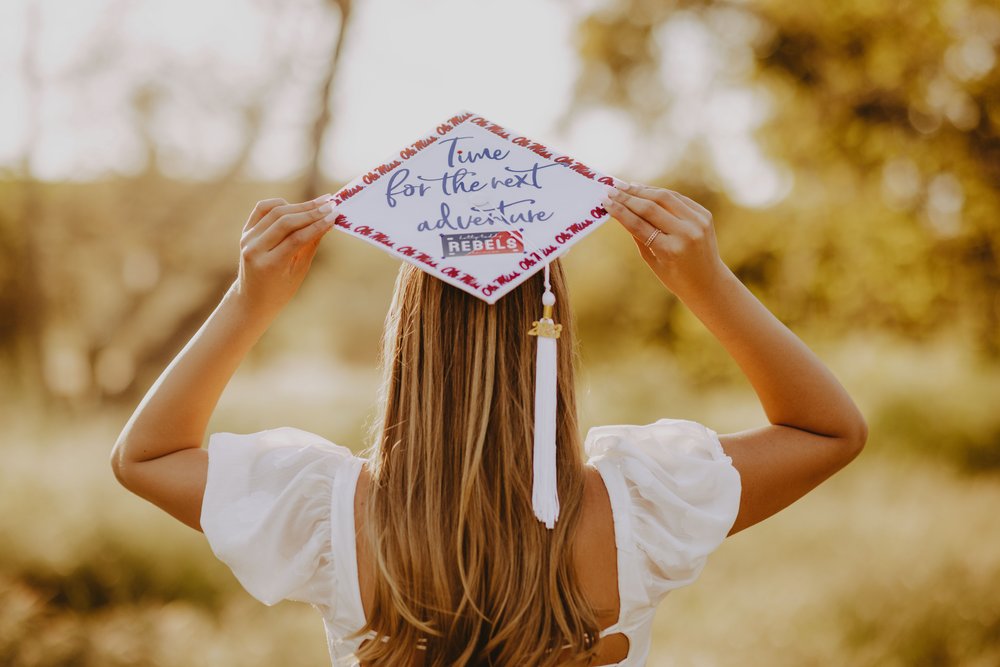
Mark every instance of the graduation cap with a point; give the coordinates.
(484, 208)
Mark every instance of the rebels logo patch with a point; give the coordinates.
(481, 243)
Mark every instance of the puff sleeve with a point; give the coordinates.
(683, 496)
(267, 512)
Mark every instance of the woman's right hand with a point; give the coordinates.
(277, 248)
(685, 254)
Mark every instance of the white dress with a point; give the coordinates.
(279, 511)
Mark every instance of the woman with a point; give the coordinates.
(430, 539)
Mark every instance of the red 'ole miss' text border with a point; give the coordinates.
(494, 288)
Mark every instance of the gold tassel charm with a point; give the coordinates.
(545, 326)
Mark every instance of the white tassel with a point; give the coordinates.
(544, 492)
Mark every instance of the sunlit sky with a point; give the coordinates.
(405, 67)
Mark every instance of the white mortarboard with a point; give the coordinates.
(484, 208)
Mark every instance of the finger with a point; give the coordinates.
(309, 235)
(690, 223)
(649, 211)
(637, 189)
(291, 223)
(689, 220)
(279, 211)
(690, 202)
(668, 199)
(639, 228)
(262, 208)
(682, 205)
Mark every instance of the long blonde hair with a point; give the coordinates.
(465, 573)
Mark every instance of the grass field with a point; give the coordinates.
(893, 561)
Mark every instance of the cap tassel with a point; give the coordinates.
(544, 493)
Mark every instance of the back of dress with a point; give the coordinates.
(675, 495)
(278, 510)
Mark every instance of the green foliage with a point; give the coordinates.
(948, 617)
(886, 116)
(932, 400)
(176, 633)
(970, 438)
(891, 562)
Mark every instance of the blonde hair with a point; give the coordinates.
(464, 571)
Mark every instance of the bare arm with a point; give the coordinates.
(158, 455)
(815, 428)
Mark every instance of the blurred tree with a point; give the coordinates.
(886, 114)
(20, 331)
(311, 182)
(103, 295)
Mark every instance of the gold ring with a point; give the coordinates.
(652, 237)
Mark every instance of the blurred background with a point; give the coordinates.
(850, 154)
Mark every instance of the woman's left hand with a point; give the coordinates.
(278, 245)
